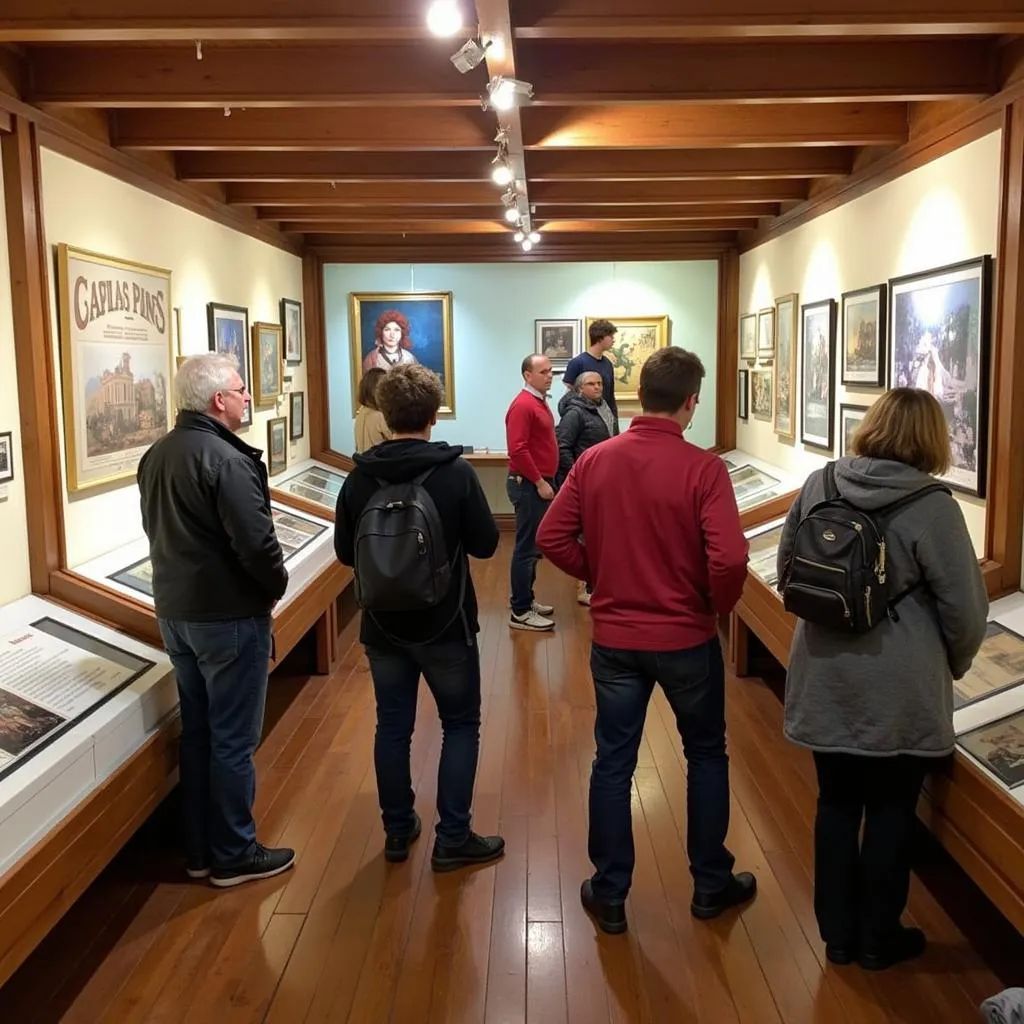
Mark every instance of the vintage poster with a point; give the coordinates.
(294, 532)
(997, 666)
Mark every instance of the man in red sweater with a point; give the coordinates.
(663, 550)
(532, 464)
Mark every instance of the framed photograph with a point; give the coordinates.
(748, 337)
(6, 457)
(294, 531)
(559, 340)
(228, 328)
(849, 420)
(766, 333)
(761, 394)
(390, 329)
(998, 666)
(940, 323)
(743, 394)
(999, 746)
(297, 419)
(318, 485)
(291, 321)
(786, 327)
(267, 363)
(817, 389)
(637, 338)
(863, 354)
(138, 576)
(277, 445)
(115, 364)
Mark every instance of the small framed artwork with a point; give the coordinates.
(559, 340)
(743, 394)
(761, 394)
(818, 393)
(863, 353)
(6, 457)
(297, 419)
(849, 420)
(267, 363)
(748, 337)
(277, 444)
(291, 321)
(766, 333)
(999, 747)
(228, 327)
(786, 327)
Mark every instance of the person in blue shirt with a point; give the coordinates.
(602, 337)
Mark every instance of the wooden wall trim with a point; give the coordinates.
(332, 458)
(582, 250)
(727, 352)
(317, 379)
(6, 122)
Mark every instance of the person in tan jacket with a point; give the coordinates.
(370, 428)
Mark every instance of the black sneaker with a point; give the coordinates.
(906, 944)
(740, 889)
(396, 848)
(840, 955)
(610, 917)
(263, 863)
(197, 869)
(475, 850)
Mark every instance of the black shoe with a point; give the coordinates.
(475, 850)
(264, 862)
(396, 848)
(740, 889)
(610, 917)
(840, 955)
(906, 944)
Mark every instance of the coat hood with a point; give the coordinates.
(874, 483)
(398, 461)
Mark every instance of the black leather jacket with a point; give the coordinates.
(580, 428)
(206, 512)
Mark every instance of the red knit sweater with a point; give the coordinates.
(530, 435)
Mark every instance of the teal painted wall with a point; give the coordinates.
(494, 306)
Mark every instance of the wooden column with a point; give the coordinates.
(317, 383)
(727, 350)
(40, 454)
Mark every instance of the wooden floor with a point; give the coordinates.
(345, 937)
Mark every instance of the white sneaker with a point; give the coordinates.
(542, 609)
(532, 621)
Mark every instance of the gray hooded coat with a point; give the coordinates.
(889, 691)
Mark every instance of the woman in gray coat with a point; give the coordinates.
(877, 707)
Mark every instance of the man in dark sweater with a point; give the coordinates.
(440, 641)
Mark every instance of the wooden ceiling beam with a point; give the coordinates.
(380, 193)
(497, 227)
(644, 193)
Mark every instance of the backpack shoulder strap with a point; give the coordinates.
(829, 480)
(887, 511)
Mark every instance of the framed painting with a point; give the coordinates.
(939, 329)
(228, 328)
(786, 327)
(558, 340)
(817, 388)
(115, 355)
(297, 419)
(998, 666)
(863, 353)
(267, 363)
(291, 322)
(277, 445)
(761, 394)
(743, 394)
(999, 746)
(392, 329)
(766, 333)
(748, 337)
(637, 338)
(849, 420)
(6, 457)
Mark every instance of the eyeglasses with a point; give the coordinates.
(238, 391)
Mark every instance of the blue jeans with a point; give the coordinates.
(529, 508)
(221, 669)
(694, 683)
(452, 672)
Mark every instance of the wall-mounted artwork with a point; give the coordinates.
(6, 457)
(297, 418)
(277, 445)
(559, 340)
(637, 338)
(817, 387)
(939, 328)
(228, 328)
(748, 337)
(761, 394)
(863, 352)
(849, 420)
(267, 363)
(400, 328)
(291, 322)
(766, 333)
(786, 327)
(115, 337)
(743, 394)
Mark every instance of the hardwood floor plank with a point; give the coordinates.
(545, 974)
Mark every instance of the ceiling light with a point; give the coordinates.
(504, 93)
(470, 55)
(444, 17)
(512, 215)
(534, 237)
(518, 236)
(527, 245)
(502, 174)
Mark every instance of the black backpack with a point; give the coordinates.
(836, 572)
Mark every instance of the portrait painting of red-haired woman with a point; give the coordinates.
(397, 329)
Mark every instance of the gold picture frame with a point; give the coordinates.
(277, 445)
(637, 338)
(424, 330)
(115, 364)
(267, 363)
(787, 327)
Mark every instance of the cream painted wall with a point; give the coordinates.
(209, 262)
(14, 577)
(941, 213)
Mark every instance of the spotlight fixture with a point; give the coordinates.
(518, 236)
(527, 245)
(502, 173)
(469, 55)
(199, 49)
(502, 138)
(505, 93)
(512, 215)
(534, 237)
(444, 17)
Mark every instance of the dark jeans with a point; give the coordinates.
(529, 508)
(221, 669)
(694, 683)
(861, 885)
(452, 672)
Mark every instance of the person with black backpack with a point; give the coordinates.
(876, 562)
(409, 516)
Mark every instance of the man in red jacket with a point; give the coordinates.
(663, 550)
(532, 465)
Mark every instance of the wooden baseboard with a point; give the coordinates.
(506, 522)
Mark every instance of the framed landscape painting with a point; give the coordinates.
(863, 352)
(748, 337)
(637, 338)
(291, 322)
(786, 327)
(559, 340)
(849, 420)
(817, 387)
(940, 323)
(398, 328)
(228, 328)
(267, 363)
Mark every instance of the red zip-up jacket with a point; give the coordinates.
(530, 435)
(662, 544)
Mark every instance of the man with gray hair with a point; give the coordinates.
(218, 571)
